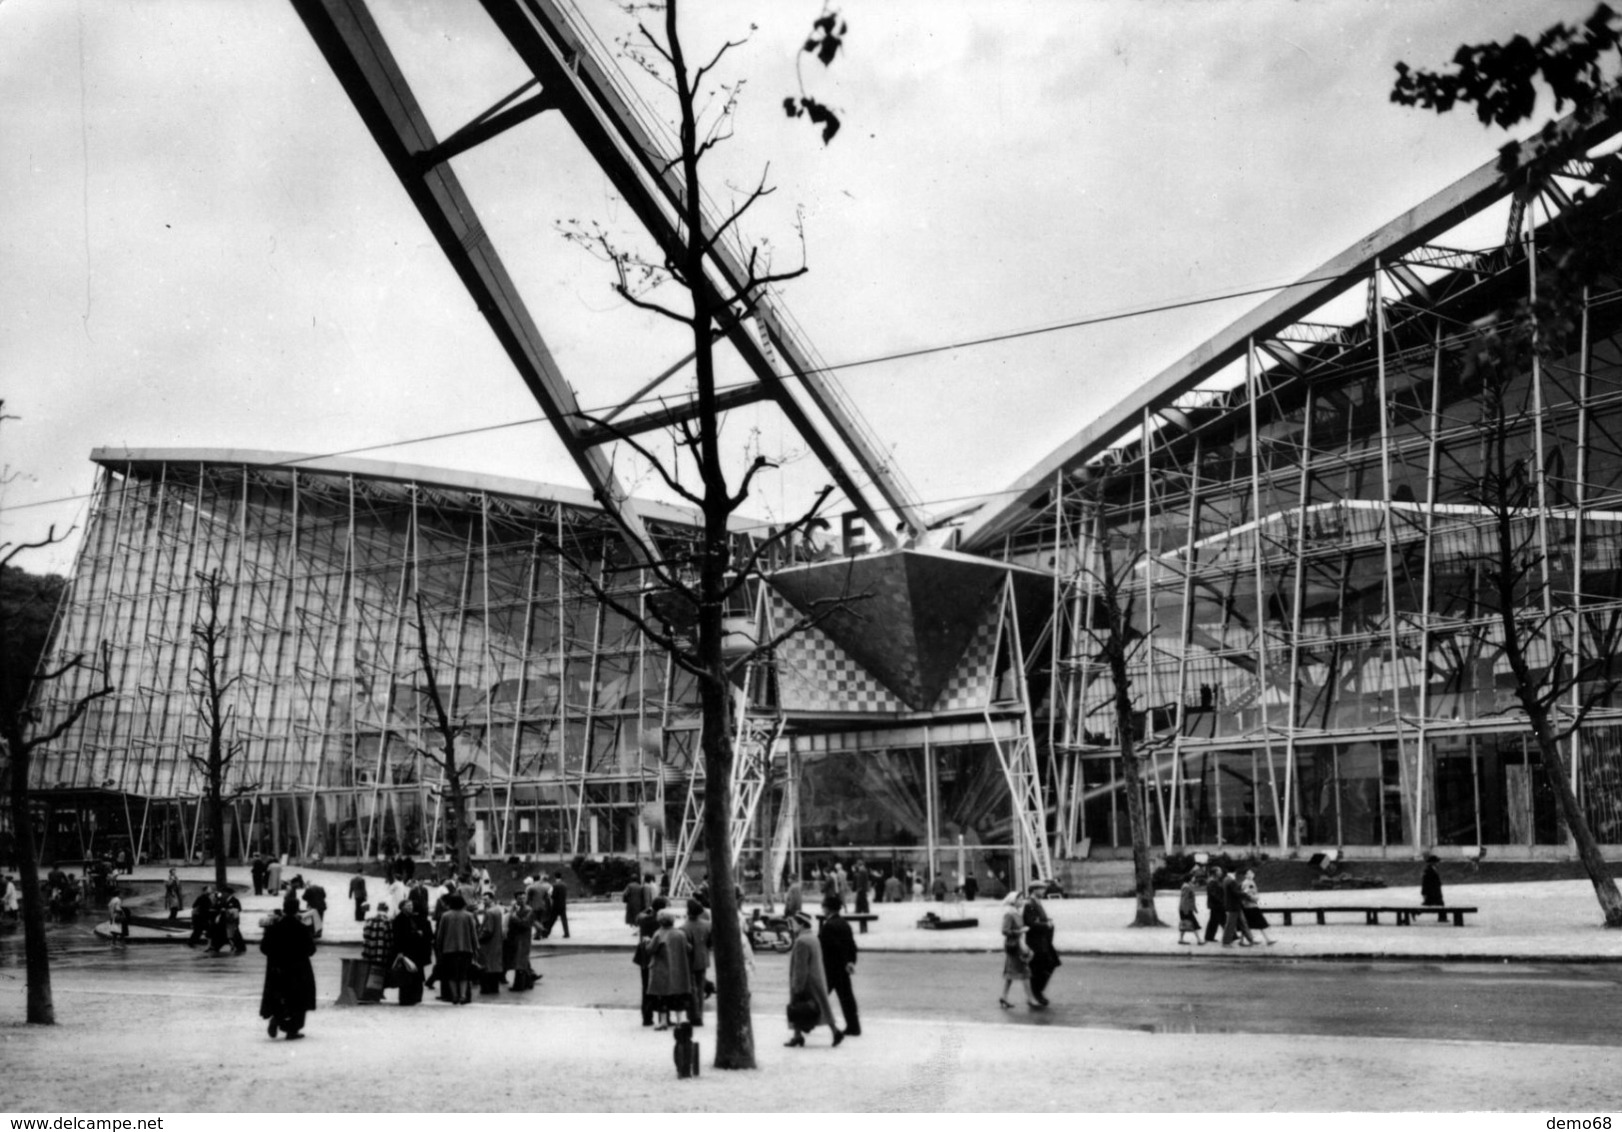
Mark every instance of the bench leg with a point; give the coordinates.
(863, 926)
(1320, 918)
(1458, 919)
(1286, 916)
(1403, 920)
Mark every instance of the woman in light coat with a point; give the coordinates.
(1016, 964)
(670, 975)
(807, 984)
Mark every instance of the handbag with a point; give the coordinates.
(404, 965)
(803, 1012)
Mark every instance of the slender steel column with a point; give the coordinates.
(1427, 595)
(1297, 600)
(1579, 550)
(1252, 395)
(1394, 665)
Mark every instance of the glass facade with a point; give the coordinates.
(1318, 652)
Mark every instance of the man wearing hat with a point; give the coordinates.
(839, 960)
(808, 1005)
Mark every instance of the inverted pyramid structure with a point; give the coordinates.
(906, 616)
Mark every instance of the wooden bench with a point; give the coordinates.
(862, 919)
(1404, 914)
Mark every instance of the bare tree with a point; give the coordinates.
(455, 775)
(1109, 628)
(20, 720)
(697, 582)
(1532, 619)
(211, 690)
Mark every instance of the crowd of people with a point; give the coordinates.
(1232, 907)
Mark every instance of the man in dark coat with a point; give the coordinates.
(697, 927)
(258, 871)
(289, 992)
(202, 916)
(839, 961)
(1430, 885)
(357, 893)
(636, 900)
(560, 908)
(647, 925)
(1234, 908)
(1216, 907)
(1039, 938)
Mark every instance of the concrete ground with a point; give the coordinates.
(178, 1047)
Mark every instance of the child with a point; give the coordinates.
(1187, 921)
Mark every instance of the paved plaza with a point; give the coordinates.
(176, 1046)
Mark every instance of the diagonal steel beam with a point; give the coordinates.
(557, 54)
(355, 50)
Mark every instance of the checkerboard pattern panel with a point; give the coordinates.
(969, 689)
(815, 674)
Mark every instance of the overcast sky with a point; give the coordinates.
(202, 246)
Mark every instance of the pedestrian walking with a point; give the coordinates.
(1016, 964)
(1234, 913)
(1430, 886)
(202, 916)
(256, 870)
(560, 907)
(1039, 938)
(357, 893)
(1250, 906)
(273, 876)
(229, 919)
(118, 916)
(892, 889)
(289, 991)
(1216, 910)
(839, 961)
(1188, 919)
(808, 1005)
(793, 899)
(456, 941)
(861, 882)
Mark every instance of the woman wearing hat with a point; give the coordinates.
(808, 1005)
(670, 974)
(1016, 964)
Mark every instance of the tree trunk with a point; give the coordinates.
(1143, 876)
(734, 1029)
(461, 852)
(1594, 863)
(216, 820)
(41, 1009)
